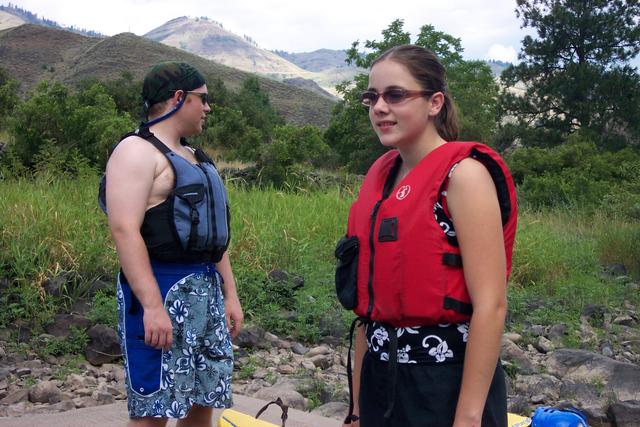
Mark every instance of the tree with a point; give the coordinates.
(291, 153)
(471, 83)
(53, 118)
(8, 95)
(256, 107)
(576, 72)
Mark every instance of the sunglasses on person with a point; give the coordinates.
(204, 96)
(392, 96)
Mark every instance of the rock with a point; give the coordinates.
(335, 410)
(84, 402)
(633, 286)
(20, 395)
(286, 369)
(100, 285)
(623, 379)
(63, 322)
(322, 361)
(19, 409)
(512, 336)
(103, 397)
(298, 348)
(23, 372)
(3, 353)
(557, 331)
(104, 345)
(251, 337)
(513, 354)
(624, 320)
(308, 365)
(625, 414)
(33, 364)
(282, 276)
(289, 397)
(586, 394)
(260, 373)
(75, 381)
(615, 270)
(536, 330)
(323, 349)
(519, 404)
(45, 392)
(594, 314)
(534, 386)
(55, 285)
(64, 405)
(544, 345)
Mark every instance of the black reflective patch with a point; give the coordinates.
(388, 230)
(458, 306)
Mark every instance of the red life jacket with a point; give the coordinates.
(409, 272)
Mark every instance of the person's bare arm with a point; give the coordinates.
(232, 307)
(475, 212)
(130, 175)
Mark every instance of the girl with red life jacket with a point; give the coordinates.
(426, 259)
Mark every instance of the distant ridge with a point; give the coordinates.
(31, 53)
(209, 39)
(30, 18)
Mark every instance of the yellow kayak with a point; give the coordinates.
(514, 420)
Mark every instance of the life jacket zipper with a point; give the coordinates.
(210, 192)
(374, 214)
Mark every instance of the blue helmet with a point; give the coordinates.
(551, 417)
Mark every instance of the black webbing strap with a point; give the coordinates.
(452, 260)
(285, 410)
(350, 416)
(393, 371)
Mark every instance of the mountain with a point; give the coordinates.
(30, 53)
(209, 39)
(318, 60)
(497, 67)
(12, 16)
(329, 65)
(8, 20)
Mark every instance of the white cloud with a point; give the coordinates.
(502, 53)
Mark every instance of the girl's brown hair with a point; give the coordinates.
(425, 67)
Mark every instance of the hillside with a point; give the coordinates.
(12, 16)
(31, 53)
(209, 39)
(8, 20)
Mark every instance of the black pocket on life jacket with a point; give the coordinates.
(347, 251)
(189, 215)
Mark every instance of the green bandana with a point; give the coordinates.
(167, 77)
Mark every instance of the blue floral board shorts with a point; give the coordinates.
(198, 367)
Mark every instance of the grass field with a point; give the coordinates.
(52, 227)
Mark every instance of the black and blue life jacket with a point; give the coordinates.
(193, 223)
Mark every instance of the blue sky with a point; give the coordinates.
(488, 29)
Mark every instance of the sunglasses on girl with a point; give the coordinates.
(392, 96)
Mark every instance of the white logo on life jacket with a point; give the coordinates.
(403, 192)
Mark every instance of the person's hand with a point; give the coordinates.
(234, 315)
(158, 330)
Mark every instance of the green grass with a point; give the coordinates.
(52, 226)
